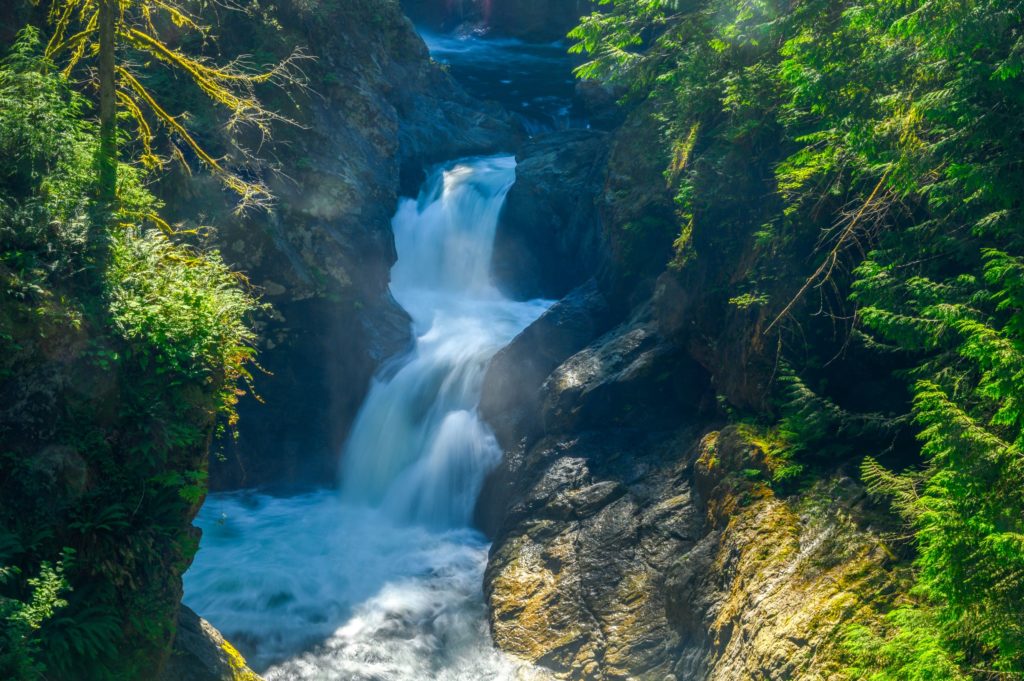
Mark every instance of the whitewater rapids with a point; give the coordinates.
(382, 579)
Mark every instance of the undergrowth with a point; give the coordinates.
(121, 350)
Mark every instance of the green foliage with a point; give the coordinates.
(779, 449)
(904, 647)
(884, 137)
(22, 619)
(187, 312)
(119, 356)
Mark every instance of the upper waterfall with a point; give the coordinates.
(418, 448)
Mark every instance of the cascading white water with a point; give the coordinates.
(418, 448)
(383, 581)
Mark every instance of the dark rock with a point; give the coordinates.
(535, 20)
(200, 653)
(633, 546)
(511, 396)
(549, 234)
(436, 129)
(600, 104)
(638, 212)
(509, 401)
(630, 377)
(311, 390)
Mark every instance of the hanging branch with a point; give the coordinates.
(824, 272)
(88, 29)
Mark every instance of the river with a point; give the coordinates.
(381, 579)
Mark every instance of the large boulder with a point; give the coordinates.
(612, 565)
(631, 377)
(514, 378)
(597, 502)
(575, 576)
(632, 541)
(549, 234)
(510, 396)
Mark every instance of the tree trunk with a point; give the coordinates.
(107, 159)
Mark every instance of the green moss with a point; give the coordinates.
(239, 667)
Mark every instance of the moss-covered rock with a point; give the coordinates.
(200, 653)
(635, 546)
(121, 350)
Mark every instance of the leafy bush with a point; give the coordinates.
(22, 619)
(183, 313)
(120, 351)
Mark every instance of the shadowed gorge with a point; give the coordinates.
(511, 340)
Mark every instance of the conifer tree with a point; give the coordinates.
(119, 35)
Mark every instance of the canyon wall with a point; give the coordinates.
(640, 527)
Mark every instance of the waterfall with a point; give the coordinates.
(382, 580)
(418, 448)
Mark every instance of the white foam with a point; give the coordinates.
(383, 580)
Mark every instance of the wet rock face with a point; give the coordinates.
(573, 581)
(635, 543)
(549, 235)
(598, 505)
(379, 111)
(640, 555)
(550, 381)
(509, 400)
(763, 593)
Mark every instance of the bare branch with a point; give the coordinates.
(827, 267)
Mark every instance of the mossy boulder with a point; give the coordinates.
(200, 653)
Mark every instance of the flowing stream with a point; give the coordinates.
(532, 80)
(382, 579)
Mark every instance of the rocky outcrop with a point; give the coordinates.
(767, 590)
(516, 374)
(549, 235)
(509, 400)
(377, 112)
(636, 534)
(640, 554)
(575, 575)
(200, 653)
(598, 506)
